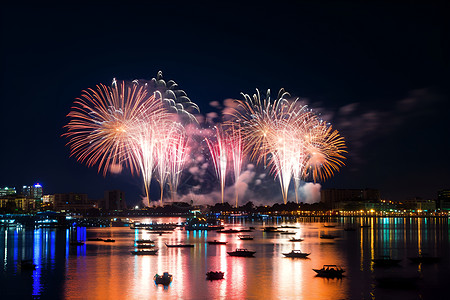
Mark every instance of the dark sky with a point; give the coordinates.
(378, 71)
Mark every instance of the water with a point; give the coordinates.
(100, 270)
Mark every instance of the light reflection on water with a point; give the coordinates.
(100, 270)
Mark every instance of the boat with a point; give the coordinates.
(350, 229)
(144, 252)
(26, 265)
(76, 243)
(329, 271)
(329, 226)
(245, 230)
(109, 241)
(327, 236)
(241, 252)
(270, 229)
(245, 237)
(296, 253)
(293, 239)
(287, 232)
(425, 259)
(287, 226)
(216, 242)
(228, 231)
(95, 240)
(180, 245)
(217, 275)
(165, 279)
(144, 242)
(385, 261)
(145, 246)
(161, 227)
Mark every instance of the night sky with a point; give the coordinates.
(379, 72)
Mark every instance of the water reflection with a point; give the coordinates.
(107, 270)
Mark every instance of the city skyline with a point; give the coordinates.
(377, 73)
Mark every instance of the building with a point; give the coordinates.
(32, 191)
(338, 198)
(16, 203)
(443, 200)
(7, 191)
(113, 200)
(418, 204)
(72, 202)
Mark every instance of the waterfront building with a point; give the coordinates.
(72, 202)
(336, 198)
(17, 203)
(443, 200)
(113, 200)
(418, 204)
(7, 191)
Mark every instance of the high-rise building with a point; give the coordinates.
(113, 200)
(32, 191)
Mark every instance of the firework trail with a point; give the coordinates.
(219, 156)
(236, 155)
(178, 151)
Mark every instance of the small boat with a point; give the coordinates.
(76, 243)
(95, 240)
(144, 242)
(26, 265)
(180, 245)
(245, 237)
(245, 230)
(109, 241)
(425, 259)
(144, 252)
(385, 261)
(165, 279)
(329, 271)
(296, 253)
(293, 239)
(329, 226)
(287, 232)
(216, 242)
(211, 275)
(270, 229)
(288, 226)
(327, 236)
(241, 252)
(145, 246)
(228, 231)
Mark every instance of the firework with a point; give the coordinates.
(178, 151)
(293, 139)
(102, 120)
(219, 156)
(175, 99)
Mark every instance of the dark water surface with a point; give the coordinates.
(100, 270)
